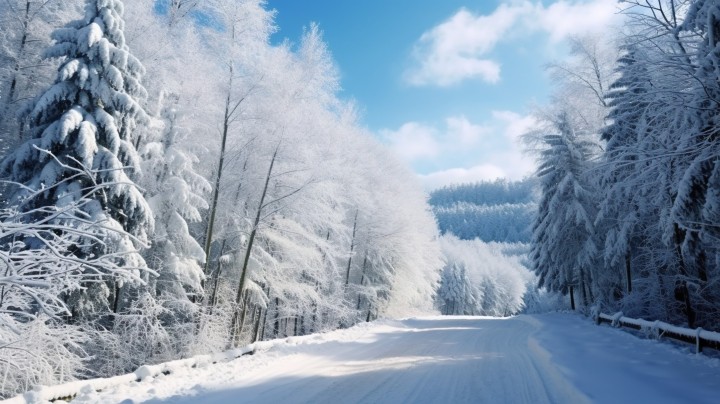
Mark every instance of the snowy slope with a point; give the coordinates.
(526, 359)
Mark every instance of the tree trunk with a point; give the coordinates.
(276, 326)
(362, 280)
(352, 247)
(314, 317)
(582, 287)
(216, 279)
(628, 273)
(16, 68)
(264, 324)
(253, 233)
(221, 162)
(682, 293)
(116, 299)
(242, 317)
(257, 319)
(572, 298)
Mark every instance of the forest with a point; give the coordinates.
(485, 229)
(499, 210)
(174, 184)
(628, 168)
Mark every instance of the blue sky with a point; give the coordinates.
(448, 84)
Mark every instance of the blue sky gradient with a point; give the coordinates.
(464, 130)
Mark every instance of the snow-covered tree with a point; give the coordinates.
(694, 210)
(563, 233)
(628, 100)
(455, 291)
(87, 119)
(481, 278)
(701, 143)
(175, 193)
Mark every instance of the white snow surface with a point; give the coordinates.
(556, 358)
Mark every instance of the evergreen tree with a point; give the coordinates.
(563, 242)
(455, 292)
(618, 211)
(86, 120)
(694, 210)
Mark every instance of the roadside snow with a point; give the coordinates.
(613, 366)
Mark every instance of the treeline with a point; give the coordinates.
(486, 228)
(487, 279)
(501, 223)
(176, 185)
(500, 210)
(498, 192)
(630, 181)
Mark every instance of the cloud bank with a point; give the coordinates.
(475, 152)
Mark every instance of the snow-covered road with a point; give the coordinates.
(525, 359)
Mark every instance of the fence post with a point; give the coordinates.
(698, 341)
(656, 328)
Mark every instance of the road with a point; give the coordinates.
(447, 360)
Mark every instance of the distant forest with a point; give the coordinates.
(500, 211)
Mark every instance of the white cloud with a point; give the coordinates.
(483, 172)
(458, 49)
(412, 141)
(415, 141)
(465, 151)
(515, 124)
(464, 133)
(563, 19)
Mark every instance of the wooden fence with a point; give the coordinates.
(697, 336)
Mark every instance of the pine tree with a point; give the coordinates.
(628, 100)
(86, 120)
(455, 292)
(563, 243)
(693, 204)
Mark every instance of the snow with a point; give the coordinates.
(524, 359)
(612, 365)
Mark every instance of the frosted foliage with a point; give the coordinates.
(21, 365)
(176, 196)
(42, 278)
(500, 211)
(693, 202)
(141, 336)
(480, 279)
(38, 260)
(632, 225)
(322, 224)
(26, 32)
(501, 223)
